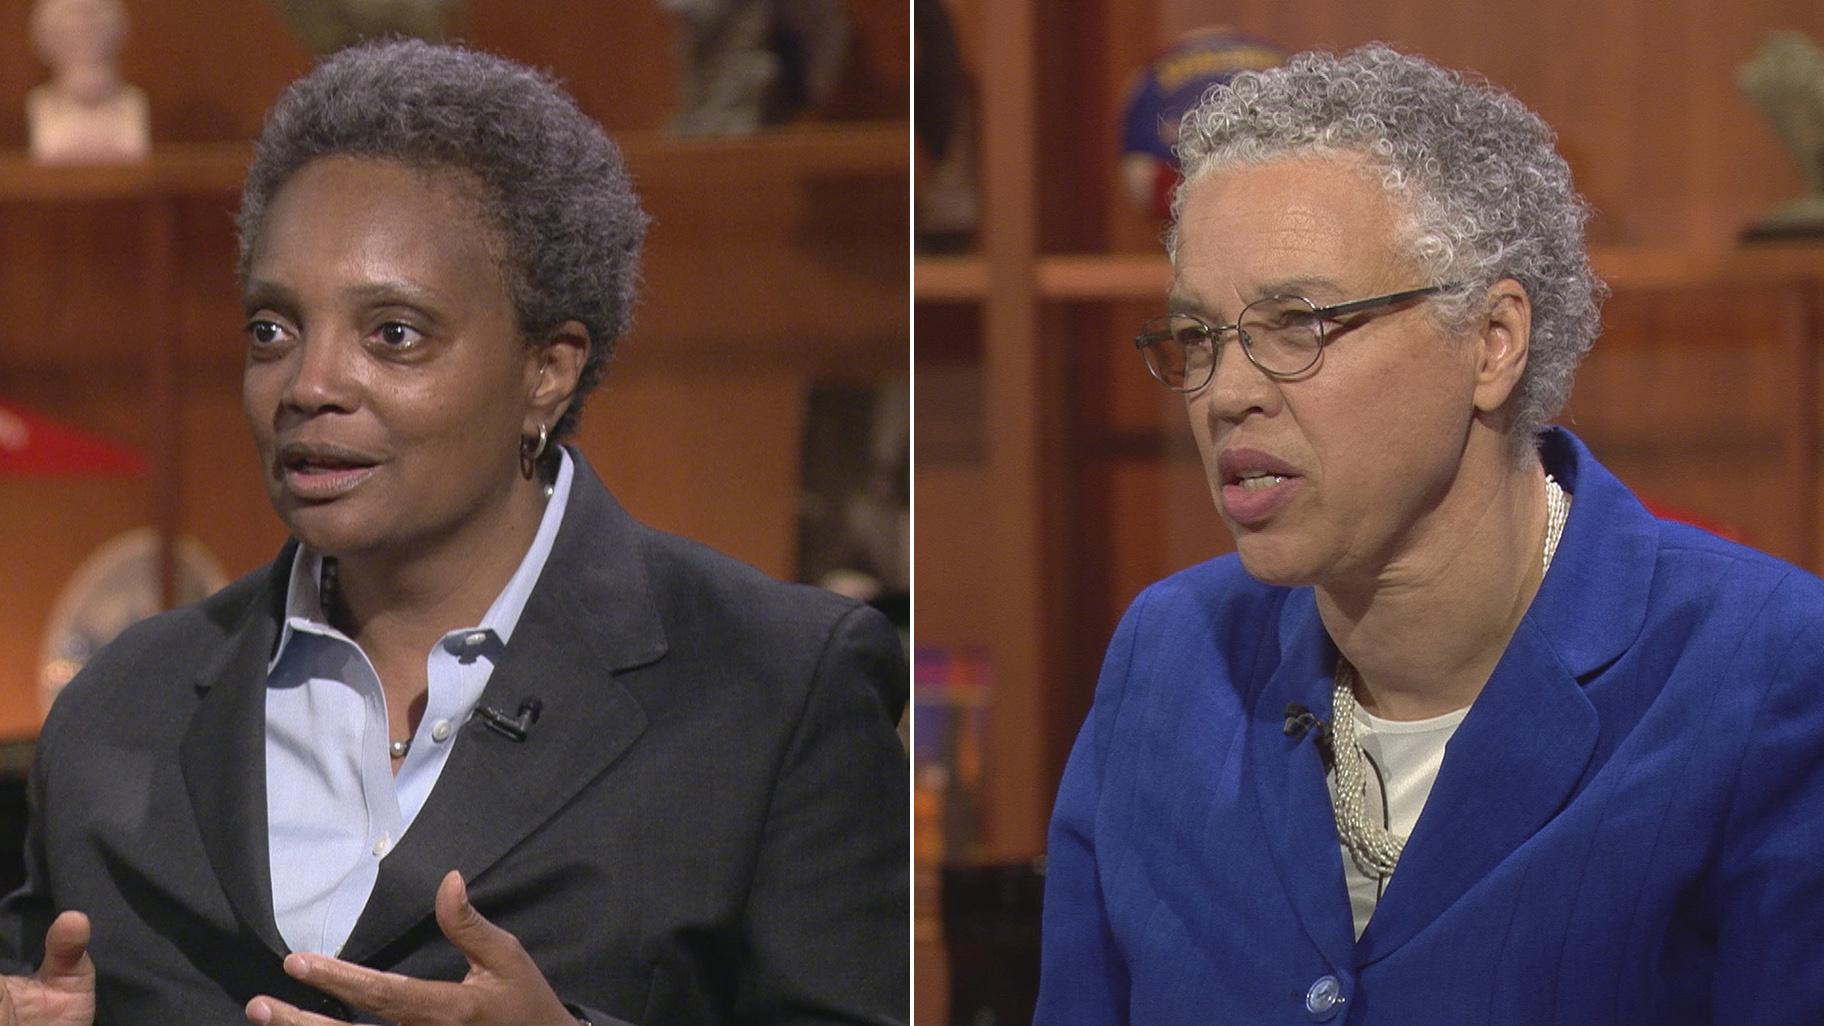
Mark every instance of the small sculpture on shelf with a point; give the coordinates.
(751, 63)
(1785, 78)
(326, 26)
(87, 113)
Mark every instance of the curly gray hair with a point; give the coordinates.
(552, 183)
(1486, 192)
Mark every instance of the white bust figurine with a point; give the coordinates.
(86, 113)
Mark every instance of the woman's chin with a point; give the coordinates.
(327, 532)
(1271, 561)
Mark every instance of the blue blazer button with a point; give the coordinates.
(1324, 998)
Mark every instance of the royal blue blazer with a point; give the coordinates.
(1628, 827)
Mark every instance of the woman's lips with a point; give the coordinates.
(1255, 484)
(1251, 505)
(318, 482)
(319, 470)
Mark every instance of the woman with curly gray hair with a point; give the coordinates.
(476, 747)
(1461, 733)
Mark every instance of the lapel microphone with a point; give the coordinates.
(1299, 720)
(513, 728)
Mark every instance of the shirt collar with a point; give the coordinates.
(304, 602)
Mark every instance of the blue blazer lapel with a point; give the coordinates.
(1289, 775)
(1513, 763)
(1593, 604)
(1526, 745)
(591, 616)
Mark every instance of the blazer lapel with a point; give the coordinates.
(590, 615)
(1289, 774)
(223, 760)
(1526, 745)
(1593, 604)
(1513, 763)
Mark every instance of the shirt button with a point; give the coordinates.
(1324, 998)
(440, 731)
(385, 844)
(474, 639)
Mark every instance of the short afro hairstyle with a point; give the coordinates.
(1487, 193)
(552, 182)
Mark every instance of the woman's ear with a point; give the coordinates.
(553, 371)
(1504, 343)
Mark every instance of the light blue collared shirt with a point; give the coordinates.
(333, 805)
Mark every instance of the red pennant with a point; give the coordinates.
(34, 446)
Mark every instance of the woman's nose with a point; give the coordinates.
(1236, 387)
(322, 376)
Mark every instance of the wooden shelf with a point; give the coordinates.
(170, 170)
(1124, 276)
(795, 152)
(949, 278)
(1652, 267)
(811, 153)
(1105, 277)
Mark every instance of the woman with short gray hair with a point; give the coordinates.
(1461, 733)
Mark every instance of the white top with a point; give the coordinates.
(1403, 757)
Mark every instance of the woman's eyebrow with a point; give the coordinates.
(394, 290)
(1305, 285)
(260, 294)
(1182, 300)
(1185, 300)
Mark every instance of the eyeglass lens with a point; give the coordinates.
(1280, 333)
(1178, 351)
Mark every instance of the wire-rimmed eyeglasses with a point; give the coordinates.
(1282, 335)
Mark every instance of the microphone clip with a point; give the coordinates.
(513, 728)
(1300, 720)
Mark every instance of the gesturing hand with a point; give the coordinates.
(503, 987)
(62, 992)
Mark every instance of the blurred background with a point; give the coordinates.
(1054, 478)
(760, 404)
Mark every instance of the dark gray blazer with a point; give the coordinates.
(708, 823)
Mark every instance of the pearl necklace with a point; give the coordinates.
(1374, 848)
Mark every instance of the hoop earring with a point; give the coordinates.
(530, 449)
